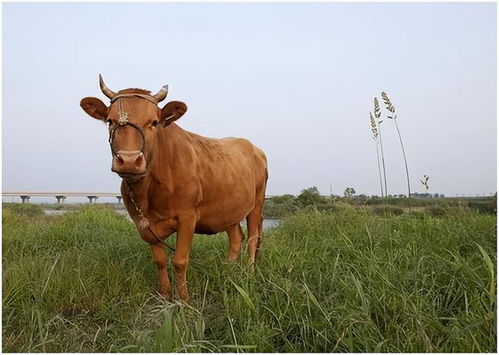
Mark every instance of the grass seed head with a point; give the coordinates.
(388, 103)
(377, 110)
(425, 181)
(374, 127)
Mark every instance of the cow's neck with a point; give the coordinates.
(170, 155)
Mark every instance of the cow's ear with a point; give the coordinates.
(172, 112)
(95, 108)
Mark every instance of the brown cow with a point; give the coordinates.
(178, 181)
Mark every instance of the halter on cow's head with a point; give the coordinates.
(134, 119)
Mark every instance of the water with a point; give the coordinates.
(271, 223)
(267, 222)
(54, 212)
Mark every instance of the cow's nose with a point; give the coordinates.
(129, 162)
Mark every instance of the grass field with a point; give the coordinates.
(349, 281)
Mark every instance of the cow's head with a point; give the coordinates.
(134, 120)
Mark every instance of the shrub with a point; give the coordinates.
(435, 211)
(310, 196)
(387, 210)
(483, 206)
(340, 206)
(24, 209)
(309, 209)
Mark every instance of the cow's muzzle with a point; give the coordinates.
(128, 164)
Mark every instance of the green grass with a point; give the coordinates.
(22, 207)
(350, 281)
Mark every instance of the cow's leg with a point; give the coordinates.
(254, 221)
(235, 234)
(181, 257)
(159, 255)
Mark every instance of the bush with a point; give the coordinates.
(483, 207)
(435, 211)
(310, 196)
(309, 209)
(277, 211)
(340, 206)
(387, 210)
(24, 209)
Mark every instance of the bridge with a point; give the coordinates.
(61, 196)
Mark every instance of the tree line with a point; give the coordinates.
(310, 199)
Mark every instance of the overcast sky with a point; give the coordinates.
(298, 80)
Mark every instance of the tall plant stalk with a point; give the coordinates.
(374, 129)
(379, 121)
(393, 117)
(379, 170)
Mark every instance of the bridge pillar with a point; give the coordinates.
(60, 199)
(92, 199)
(25, 198)
(119, 198)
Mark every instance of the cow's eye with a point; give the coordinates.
(155, 123)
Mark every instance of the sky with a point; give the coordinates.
(298, 80)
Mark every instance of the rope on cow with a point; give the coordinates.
(143, 221)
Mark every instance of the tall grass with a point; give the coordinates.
(342, 282)
(374, 130)
(393, 116)
(379, 121)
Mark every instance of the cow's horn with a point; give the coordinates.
(108, 92)
(160, 96)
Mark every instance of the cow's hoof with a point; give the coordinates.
(167, 295)
(184, 297)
